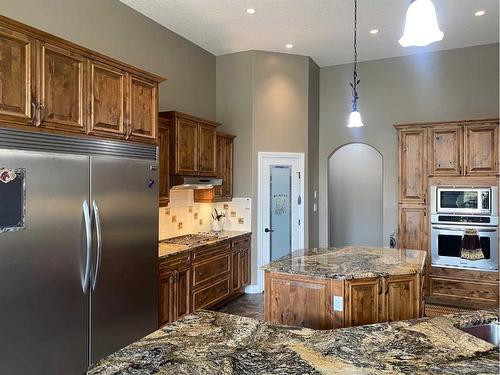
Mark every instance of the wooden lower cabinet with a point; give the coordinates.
(362, 302)
(202, 278)
(298, 301)
(413, 226)
(463, 288)
(325, 304)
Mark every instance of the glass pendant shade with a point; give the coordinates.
(421, 27)
(355, 120)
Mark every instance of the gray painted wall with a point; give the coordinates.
(114, 29)
(446, 85)
(312, 153)
(355, 190)
(264, 98)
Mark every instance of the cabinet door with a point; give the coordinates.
(182, 293)
(413, 227)
(218, 192)
(245, 266)
(401, 298)
(62, 90)
(166, 298)
(164, 166)
(362, 302)
(107, 100)
(186, 147)
(236, 271)
(445, 153)
(227, 175)
(412, 165)
(143, 113)
(298, 301)
(207, 150)
(16, 78)
(481, 149)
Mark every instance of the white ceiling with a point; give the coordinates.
(321, 29)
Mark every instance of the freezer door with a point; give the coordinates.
(44, 311)
(125, 272)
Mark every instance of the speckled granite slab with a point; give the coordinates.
(214, 343)
(352, 262)
(167, 250)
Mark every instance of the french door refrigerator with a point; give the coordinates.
(78, 250)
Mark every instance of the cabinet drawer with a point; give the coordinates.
(211, 251)
(463, 290)
(174, 262)
(210, 269)
(241, 242)
(212, 294)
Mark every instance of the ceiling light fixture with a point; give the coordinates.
(251, 11)
(289, 45)
(355, 117)
(421, 26)
(480, 13)
(374, 31)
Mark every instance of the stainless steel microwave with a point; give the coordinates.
(464, 200)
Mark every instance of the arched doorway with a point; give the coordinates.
(355, 196)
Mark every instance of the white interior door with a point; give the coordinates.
(281, 202)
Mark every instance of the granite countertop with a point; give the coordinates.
(351, 262)
(166, 250)
(209, 342)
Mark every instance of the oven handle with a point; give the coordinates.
(479, 230)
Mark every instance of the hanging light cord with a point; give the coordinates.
(355, 80)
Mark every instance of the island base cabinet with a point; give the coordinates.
(328, 303)
(298, 301)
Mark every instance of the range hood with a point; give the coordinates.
(189, 182)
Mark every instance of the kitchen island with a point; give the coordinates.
(343, 287)
(209, 343)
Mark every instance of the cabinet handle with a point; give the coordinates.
(43, 113)
(33, 113)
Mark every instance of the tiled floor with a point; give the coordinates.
(249, 305)
(252, 306)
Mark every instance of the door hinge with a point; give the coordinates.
(299, 222)
(298, 175)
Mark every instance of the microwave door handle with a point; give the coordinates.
(99, 243)
(88, 257)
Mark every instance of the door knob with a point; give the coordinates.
(267, 230)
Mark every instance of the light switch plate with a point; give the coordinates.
(338, 303)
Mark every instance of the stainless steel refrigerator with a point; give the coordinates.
(78, 250)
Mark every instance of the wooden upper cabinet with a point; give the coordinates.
(186, 147)
(16, 78)
(362, 304)
(61, 87)
(62, 90)
(412, 165)
(207, 150)
(481, 149)
(413, 227)
(143, 112)
(445, 153)
(224, 170)
(164, 164)
(107, 100)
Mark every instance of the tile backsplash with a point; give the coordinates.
(183, 215)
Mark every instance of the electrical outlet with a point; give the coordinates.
(179, 226)
(241, 220)
(174, 219)
(196, 215)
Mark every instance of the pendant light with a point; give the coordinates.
(421, 26)
(355, 117)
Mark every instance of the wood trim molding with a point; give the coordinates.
(454, 122)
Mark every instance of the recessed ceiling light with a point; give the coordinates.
(251, 11)
(480, 13)
(289, 45)
(374, 31)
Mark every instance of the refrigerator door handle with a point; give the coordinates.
(88, 257)
(99, 242)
